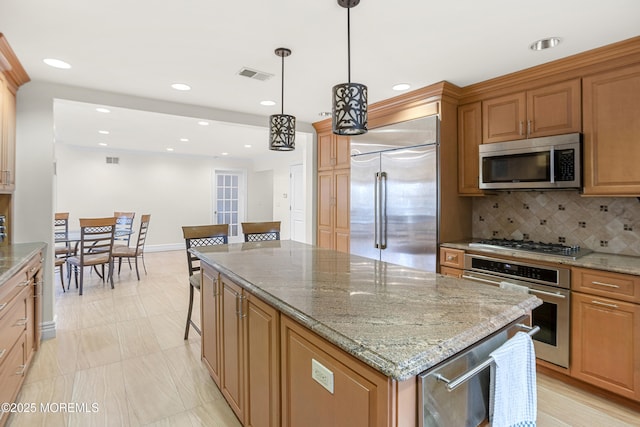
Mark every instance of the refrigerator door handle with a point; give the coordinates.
(376, 210)
(383, 210)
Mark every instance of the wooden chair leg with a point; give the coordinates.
(186, 329)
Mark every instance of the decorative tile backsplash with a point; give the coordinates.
(609, 225)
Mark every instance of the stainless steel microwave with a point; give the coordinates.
(536, 163)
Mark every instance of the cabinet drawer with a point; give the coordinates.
(614, 285)
(452, 257)
(34, 265)
(13, 323)
(11, 288)
(12, 371)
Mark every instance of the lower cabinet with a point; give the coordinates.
(19, 328)
(324, 388)
(451, 262)
(605, 323)
(240, 347)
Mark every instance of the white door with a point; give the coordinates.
(297, 203)
(229, 201)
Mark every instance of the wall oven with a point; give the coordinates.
(550, 284)
(537, 163)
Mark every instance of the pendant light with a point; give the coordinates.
(349, 99)
(282, 127)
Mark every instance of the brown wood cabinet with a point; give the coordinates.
(469, 139)
(611, 105)
(240, 345)
(334, 165)
(7, 136)
(357, 395)
(605, 349)
(544, 111)
(19, 327)
(451, 262)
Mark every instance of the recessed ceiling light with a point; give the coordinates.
(267, 103)
(104, 144)
(203, 123)
(103, 110)
(225, 154)
(181, 86)
(184, 139)
(401, 86)
(247, 145)
(57, 63)
(169, 149)
(543, 44)
(103, 132)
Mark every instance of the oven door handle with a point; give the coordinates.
(550, 294)
(479, 279)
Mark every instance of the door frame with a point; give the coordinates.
(242, 198)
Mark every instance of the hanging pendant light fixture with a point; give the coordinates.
(282, 127)
(349, 99)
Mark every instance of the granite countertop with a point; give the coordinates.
(14, 257)
(596, 260)
(398, 320)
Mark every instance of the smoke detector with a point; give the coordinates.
(254, 74)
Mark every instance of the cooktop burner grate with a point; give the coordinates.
(531, 246)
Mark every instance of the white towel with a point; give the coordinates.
(513, 395)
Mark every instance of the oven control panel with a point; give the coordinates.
(506, 268)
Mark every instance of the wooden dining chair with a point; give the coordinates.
(261, 231)
(63, 249)
(195, 236)
(122, 251)
(96, 246)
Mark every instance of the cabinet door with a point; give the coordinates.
(262, 368)
(231, 378)
(209, 312)
(605, 345)
(9, 140)
(503, 118)
(611, 107)
(342, 151)
(342, 189)
(554, 109)
(469, 139)
(325, 151)
(325, 209)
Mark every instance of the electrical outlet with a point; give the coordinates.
(322, 375)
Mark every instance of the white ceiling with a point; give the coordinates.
(141, 47)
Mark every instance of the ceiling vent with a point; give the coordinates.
(113, 160)
(254, 74)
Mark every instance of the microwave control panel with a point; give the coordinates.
(564, 165)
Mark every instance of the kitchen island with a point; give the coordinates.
(338, 337)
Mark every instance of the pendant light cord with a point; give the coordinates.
(282, 91)
(348, 45)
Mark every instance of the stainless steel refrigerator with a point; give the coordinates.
(394, 193)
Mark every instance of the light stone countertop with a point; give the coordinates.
(596, 260)
(14, 257)
(398, 320)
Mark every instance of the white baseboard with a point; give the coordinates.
(48, 329)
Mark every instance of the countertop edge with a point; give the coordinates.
(22, 261)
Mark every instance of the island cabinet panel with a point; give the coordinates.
(605, 326)
(353, 394)
(232, 349)
(262, 350)
(240, 348)
(611, 105)
(209, 315)
(548, 110)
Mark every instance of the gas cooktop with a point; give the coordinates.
(557, 249)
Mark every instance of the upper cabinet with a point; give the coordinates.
(469, 139)
(12, 75)
(544, 111)
(333, 151)
(611, 104)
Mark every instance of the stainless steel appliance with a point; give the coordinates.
(550, 284)
(537, 163)
(394, 200)
(557, 249)
(456, 392)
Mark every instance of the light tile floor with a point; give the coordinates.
(122, 349)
